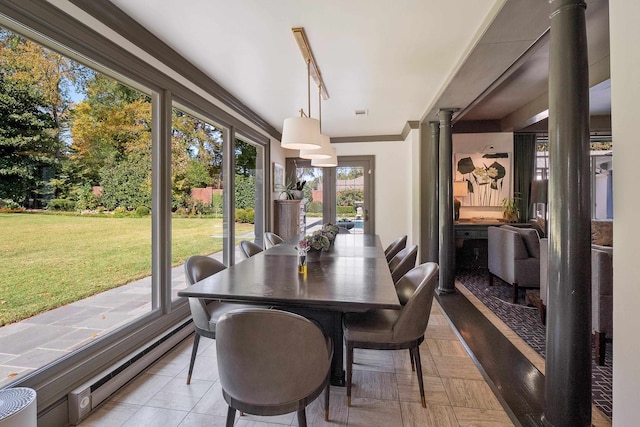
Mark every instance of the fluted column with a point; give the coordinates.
(445, 213)
(568, 351)
(429, 169)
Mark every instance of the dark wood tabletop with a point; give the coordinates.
(352, 276)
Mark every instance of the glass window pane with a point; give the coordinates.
(350, 197)
(76, 153)
(197, 190)
(249, 190)
(312, 196)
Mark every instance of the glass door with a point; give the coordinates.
(354, 194)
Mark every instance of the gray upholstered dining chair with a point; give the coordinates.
(204, 313)
(249, 249)
(395, 329)
(272, 362)
(404, 261)
(271, 239)
(395, 247)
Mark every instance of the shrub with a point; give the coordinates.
(346, 211)
(142, 211)
(349, 196)
(61, 205)
(86, 199)
(245, 215)
(8, 204)
(120, 211)
(314, 207)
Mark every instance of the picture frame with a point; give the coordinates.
(278, 177)
(487, 175)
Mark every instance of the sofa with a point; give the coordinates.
(514, 256)
(601, 294)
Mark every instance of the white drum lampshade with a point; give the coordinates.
(324, 152)
(300, 133)
(18, 407)
(331, 162)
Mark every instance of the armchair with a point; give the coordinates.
(514, 256)
(601, 294)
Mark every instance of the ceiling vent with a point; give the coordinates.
(361, 113)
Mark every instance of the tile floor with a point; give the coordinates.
(385, 391)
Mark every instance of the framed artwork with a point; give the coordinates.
(278, 177)
(487, 177)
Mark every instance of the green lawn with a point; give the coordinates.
(47, 261)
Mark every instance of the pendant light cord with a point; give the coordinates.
(309, 87)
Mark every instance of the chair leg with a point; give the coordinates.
(601, 347)
(416, 356)
(326, 402)
(194, 351)
(490, 279)
(515, 293)
(302, 418)
(349, 370)
(413, 365)
(231, 417)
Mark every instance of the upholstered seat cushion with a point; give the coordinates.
(370, 326)
(530, 238)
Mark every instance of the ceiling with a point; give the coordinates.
(399, 61)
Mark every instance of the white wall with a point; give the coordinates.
(470, 143)
(394, 182)
(625, 96)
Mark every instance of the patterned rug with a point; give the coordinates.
(525, 321)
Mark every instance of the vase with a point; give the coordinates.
(302, 263)
(314, 255)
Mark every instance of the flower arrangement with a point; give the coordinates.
(318, 241)
(331, 230)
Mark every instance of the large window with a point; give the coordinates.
(249, 190)
(197, 192)
(104, 192)
(75, 192)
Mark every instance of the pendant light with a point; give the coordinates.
(302, 133)
(331, 162)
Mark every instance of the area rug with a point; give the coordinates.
(525, 321)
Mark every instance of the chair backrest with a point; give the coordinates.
(270, 357)
(404, 261)
(249, 249)
(414, 315)
(395, 247)
(197, 268)
(272, 239)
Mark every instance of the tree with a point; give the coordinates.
(126, 183)
(245, 158)
(346, 173)
(51, 75)
(349, 196)
(113, 122)
(28, 143)
(245, 192)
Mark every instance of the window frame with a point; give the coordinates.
(50, 26)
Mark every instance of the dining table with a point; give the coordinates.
(352, 276)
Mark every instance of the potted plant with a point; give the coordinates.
(293, 190)
(510, 209)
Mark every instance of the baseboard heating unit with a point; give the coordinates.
(88, 396)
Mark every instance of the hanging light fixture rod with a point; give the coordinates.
(307, 54)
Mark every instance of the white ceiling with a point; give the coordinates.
(393, 59)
